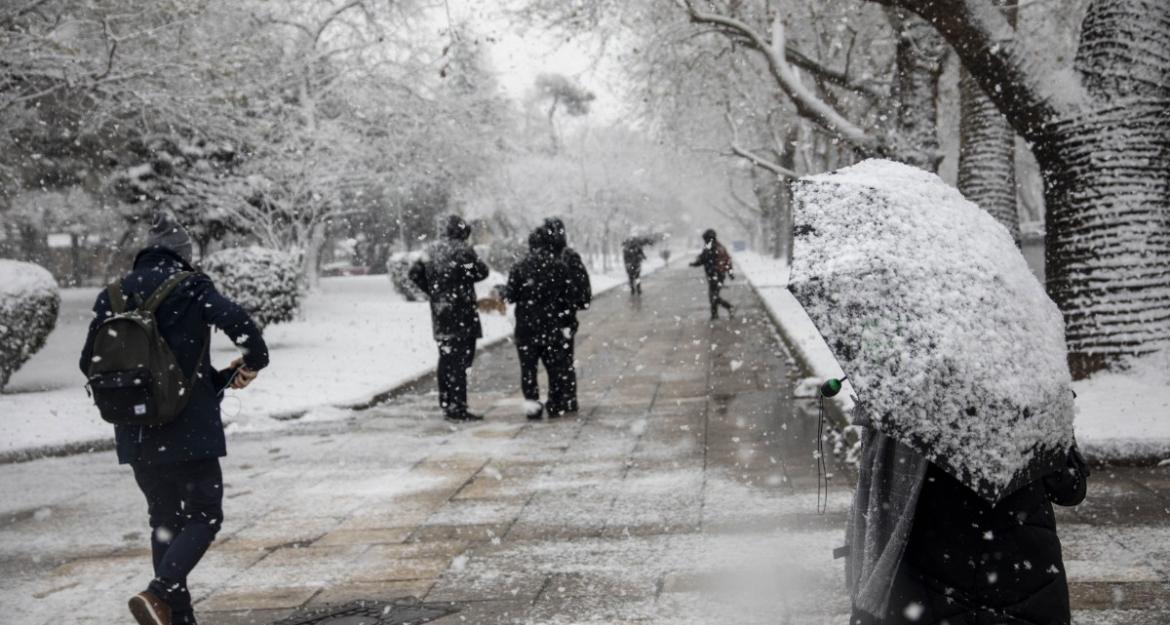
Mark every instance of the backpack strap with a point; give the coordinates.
(156, 299)
(117, 299)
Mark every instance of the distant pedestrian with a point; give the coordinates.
(146, 358)
(535, 285)
(576, 296)
(447, 273)
(632, 255)
(716, 263)
(931, 551)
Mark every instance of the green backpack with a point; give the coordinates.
(134, 376)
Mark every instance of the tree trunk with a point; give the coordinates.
(987, 164)
(1102, 138)
(918, 57)
(1107, 189)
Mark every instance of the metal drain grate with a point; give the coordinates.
(405, 611)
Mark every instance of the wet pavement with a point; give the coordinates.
(683, 492)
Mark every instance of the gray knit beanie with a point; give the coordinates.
(167, 233)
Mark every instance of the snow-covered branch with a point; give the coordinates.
(1026, 85)
(753, 157)
(773, 50)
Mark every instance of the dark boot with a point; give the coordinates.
(149, 609)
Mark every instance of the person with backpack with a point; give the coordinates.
(577, 295)
(148, 368)
(716, 263)
(535, 285)
(447, 274)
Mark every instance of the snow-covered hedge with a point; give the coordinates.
(28, 312)
(502, 254)
(398, 268)
(263, 281)
(950, 342)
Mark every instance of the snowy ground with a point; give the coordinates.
(684, 493)
(355, 338)
(1121, 416)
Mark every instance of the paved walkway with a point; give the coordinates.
(684, 492)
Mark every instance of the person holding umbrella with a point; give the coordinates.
(633, 255)
(957, 366)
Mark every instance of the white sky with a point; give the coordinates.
(519, 53)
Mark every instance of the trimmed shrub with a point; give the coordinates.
(398, 268)
(261, 280)
(28, 313)
(502, 254)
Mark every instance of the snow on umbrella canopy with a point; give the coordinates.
(950, 343)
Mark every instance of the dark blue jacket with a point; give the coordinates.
(185, 319)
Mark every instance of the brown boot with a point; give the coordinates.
(148, 609)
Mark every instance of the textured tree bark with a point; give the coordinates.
(918, 59)
(987, 164)
(1107, 191)
(1101, 134)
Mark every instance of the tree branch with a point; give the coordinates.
(807, 104)
(752, 157)
(1026, 84)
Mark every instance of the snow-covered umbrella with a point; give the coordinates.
(950, 343)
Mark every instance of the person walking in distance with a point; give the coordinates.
(447, 273)
(576, 296)
(534, 286)
(632, 255)
(154, 325)
(716, 263)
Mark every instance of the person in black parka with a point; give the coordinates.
(577, 295)
(176, 465)
(716, 263)
(535, 285)
(447, 273)
(968, 562)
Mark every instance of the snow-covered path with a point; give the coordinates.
(684, 492)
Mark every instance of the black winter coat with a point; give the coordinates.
(970, 563)
(447, 273)
(708, 259)
(578, 292)
(540, 287)
(185, 319)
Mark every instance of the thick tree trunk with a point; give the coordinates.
(1101, 135)
(987, 164)
(918, 60)
(1107, 195)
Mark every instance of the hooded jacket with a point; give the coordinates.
(447, 273)
(185, 319)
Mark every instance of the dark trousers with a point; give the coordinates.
(634, 272)
(455, 358)
(550, 349)
(714, 284)
(569, 376)
(185, 504)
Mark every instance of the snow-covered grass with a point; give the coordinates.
(1124, 414)
(354, 339)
